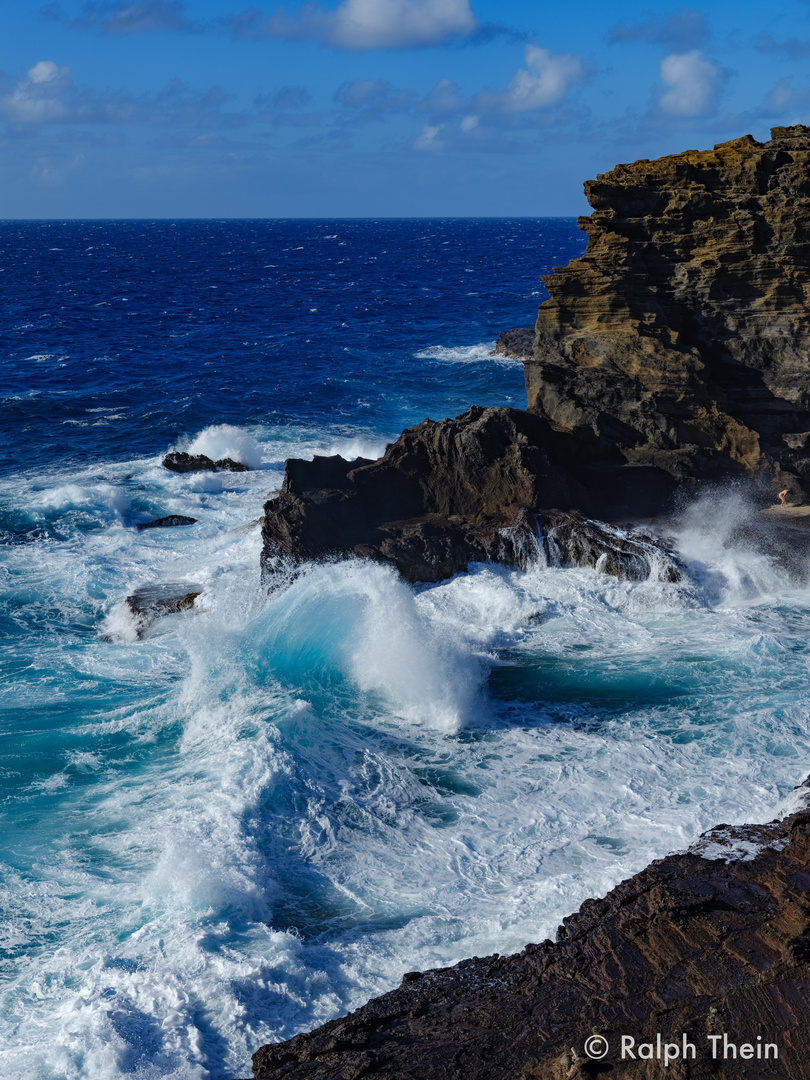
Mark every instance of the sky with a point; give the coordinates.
(373, 108)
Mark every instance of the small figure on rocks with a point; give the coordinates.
(783, 497)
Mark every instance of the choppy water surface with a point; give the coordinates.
(264, 810)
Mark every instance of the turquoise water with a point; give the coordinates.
(264, 810)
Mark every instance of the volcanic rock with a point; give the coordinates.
(150, 602)
(708, 950)
(230, 465)
(171, 521)
(450, 492)
(517, 344)
(180, 461)
(682, 334)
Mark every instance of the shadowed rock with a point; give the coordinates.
(711, 943)
(171, 521)
(682, 334)
(181, 462)
(518, 344)
(454, 491)
(229, 465)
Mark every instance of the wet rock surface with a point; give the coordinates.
(181, 462)
(450, 492)
(150, 602)
(708, 949)
(169, 522)
(681, 335)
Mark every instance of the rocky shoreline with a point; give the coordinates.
(672, 356)
(700, 952)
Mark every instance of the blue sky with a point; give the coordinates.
(207, 108)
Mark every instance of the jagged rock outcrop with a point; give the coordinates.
(675, 351)
(454, 491)
(517, 344)
(150, 602)
(180, 462)
(682, 335)
(709, 950)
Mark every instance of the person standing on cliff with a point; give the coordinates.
(783, 497)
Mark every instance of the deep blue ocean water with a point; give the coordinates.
(261, 812)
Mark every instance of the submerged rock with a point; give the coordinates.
(150, 602)
(708, 950)
(171, 521)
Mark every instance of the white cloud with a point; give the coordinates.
(544, 81)
(428, 138)
(37, 99)
(693, 82)
(376, 24)
(469, 123)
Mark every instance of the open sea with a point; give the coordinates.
(264, 810)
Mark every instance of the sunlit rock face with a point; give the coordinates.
(681, 338)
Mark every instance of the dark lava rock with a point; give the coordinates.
(682, 333)
(446, 493)
(181, 462)
(517, 344)
(149, 602)
(171, 521)
(703, 947)
(230, 465)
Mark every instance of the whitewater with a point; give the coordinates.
(245, 819)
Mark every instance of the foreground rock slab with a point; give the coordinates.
(706, 953)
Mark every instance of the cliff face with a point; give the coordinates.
(682, 335)
(709, 949)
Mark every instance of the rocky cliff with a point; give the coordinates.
(675, 351)
(707, 953)
(682, 335)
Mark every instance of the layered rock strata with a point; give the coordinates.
(455, 491)
(703, 952)
(682, 335)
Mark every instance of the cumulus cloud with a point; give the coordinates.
(680, 30)
(367, 24)
(544, 81)
(121, 19)
(37, 99)
(693, 84)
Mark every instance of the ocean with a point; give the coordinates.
(256, 814)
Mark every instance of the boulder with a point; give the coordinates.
(150, 602)
(181, 462)
(517, 344)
